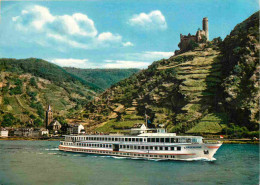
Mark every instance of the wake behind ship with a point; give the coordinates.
(166, 146)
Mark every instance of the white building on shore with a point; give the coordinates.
(76, 129)
(4, 133)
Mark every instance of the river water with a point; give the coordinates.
(40, 162)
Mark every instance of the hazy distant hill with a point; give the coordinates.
(27, 86)
(212, 89)
(103, 78)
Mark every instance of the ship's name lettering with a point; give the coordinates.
(193, 147)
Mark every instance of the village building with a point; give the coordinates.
(44, 132)
(49, 116)
(4, 133)
(55, 126)
(50, 123)
(26, 132)
(76, 129)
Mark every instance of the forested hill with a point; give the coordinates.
(103, 78)
(211, 89)
(43, 69)
(27, 86)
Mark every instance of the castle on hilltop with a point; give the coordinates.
(201, 35)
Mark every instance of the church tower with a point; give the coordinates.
(49, 116)
(206, 27)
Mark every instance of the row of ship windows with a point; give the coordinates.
(125, 154)
(89, 145)
(106, 139)
(178, 148)
(131, 147)
(157, 140)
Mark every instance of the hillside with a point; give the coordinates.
(28, 86)
(241, 73)
(190, 92)
(103, 78)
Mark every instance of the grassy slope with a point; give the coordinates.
(199, 79)
(113, 126)
(184, 84)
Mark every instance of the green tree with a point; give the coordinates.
(32, 95)
(38, 122)
(18, 89)
(203, 39)
(32, 116)
(8, 120)
(6, 101)
(62, 120)
(6, 88)
(33, 82)
(217, 41)
(38, 106)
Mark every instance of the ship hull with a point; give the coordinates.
(188, 152)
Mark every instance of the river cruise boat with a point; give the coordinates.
(166, 146)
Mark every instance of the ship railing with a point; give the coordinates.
(136, 143)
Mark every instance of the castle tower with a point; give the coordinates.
(205, 26)
(49, 116)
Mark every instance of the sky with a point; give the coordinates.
(111, 33)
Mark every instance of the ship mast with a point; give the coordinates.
(146, 120)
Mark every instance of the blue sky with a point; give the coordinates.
(111, 34)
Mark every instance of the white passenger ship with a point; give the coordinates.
(147, 145)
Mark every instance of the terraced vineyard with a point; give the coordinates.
(179, 92)
(199, 80)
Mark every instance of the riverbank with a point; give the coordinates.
(33, 138)
(235, 141)
(241, 141)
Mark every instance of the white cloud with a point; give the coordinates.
(76, 30)
(65, 40)
(107, 36)
(15, 18)
(126, 44)
(85, 63)
(147, 56)
(109, 39)
(72, 62)
(125, 64)
(24, 11)
(137, 60)
(154, 55)
(75, 25)
(35, 18)
(131, 60)
(154, 20)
